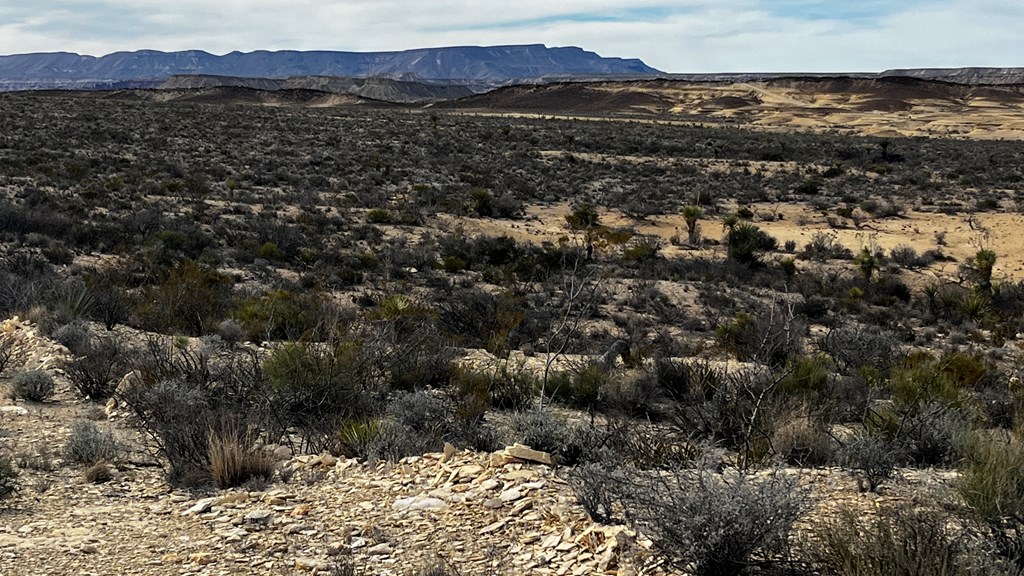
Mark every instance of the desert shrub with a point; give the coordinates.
(713, 404)
(282, 315)
(235, 459)
(33, 385)
(110, 306)
(649, 447)
(908, 258)
(851, 346)
(635, 396)
(771, 338)
(381, 439)
(824, 246)
(992, 489)
(231, 331)
(580, 389)
(179, 393)
(87, 444)
(70, 301)
(176, 414)
(74, 336)
(804, 441)
(642, 250)
(920, 379)
(874, 459)
(379, 216)
(710, 524)
(745, 241)
(469, 394)
(481, 251)
(477, 319)
(905, 540)
(541, 430)
(806, 377)
(593, 491)
(315, 387)
(513, 388)
(9, 484)
(98, 473)
(192, 299)
(6, 350)
(96, 371)
(420, 412)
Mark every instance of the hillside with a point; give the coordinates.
(882, 106)
(383, 89)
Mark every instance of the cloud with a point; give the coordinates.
(680, 36)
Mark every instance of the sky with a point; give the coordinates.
(673, 36)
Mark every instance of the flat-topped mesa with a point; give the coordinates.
(493, 65)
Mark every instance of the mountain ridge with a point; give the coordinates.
(490, 65)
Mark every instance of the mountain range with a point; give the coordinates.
(470, 65)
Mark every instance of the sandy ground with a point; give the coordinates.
(1001, 232)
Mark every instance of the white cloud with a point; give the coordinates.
(679, 36)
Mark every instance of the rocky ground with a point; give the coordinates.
(502, 513)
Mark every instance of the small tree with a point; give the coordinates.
(867, 262)
(692, 214)
(984, 262)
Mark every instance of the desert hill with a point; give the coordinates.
(882, 106)
(383, 89)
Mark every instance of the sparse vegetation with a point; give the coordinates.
(378, 284)
(33, 385)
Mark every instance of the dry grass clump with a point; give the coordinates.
(234, 460)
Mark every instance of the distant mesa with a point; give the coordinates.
(475, 67)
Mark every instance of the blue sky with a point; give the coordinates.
(675, 36)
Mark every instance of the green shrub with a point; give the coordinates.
(992, 488)
(33, 385)
(513, 388)
(580, 389)
(382, 439)
(642, 250)
(87, 444)
(192, 299)
(771, 338)
(920, 379)
(282, 315)
(470, 396)
(746, 241)
(807, 377)
(269, 251)
(315, 387)
(379, 216)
